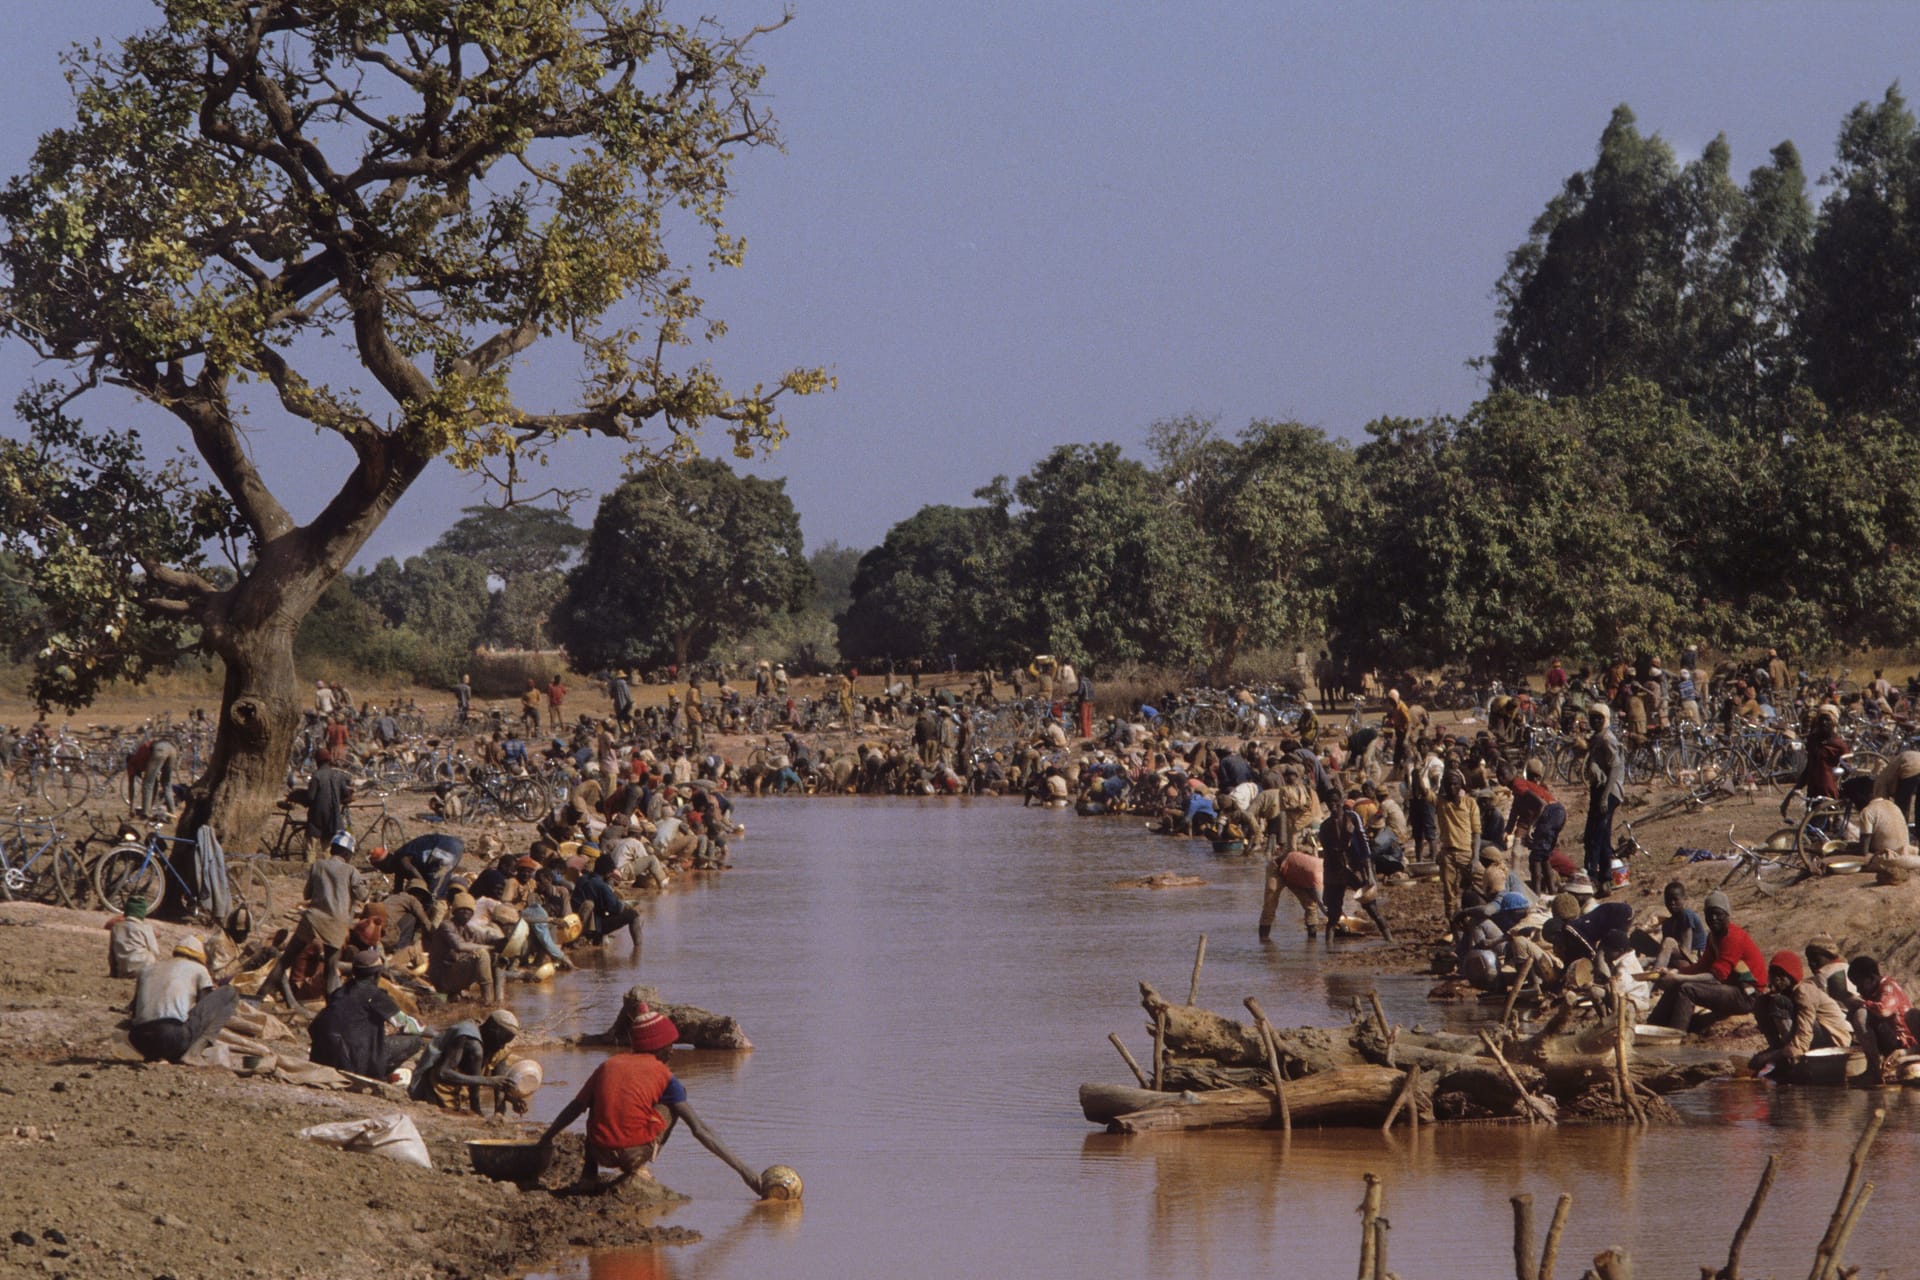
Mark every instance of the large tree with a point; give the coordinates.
(436, 186)
(1859, 322)
(681, 558)
(1264, 517)
(939, 583)
(524, 548)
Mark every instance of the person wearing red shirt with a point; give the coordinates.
(1720, 983)
(632, 1102)
(556, 696)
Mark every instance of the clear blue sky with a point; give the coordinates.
(1008, 226)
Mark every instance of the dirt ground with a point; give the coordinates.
(119, 1168)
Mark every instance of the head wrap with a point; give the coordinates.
(191, 948)
(1719, 900)
(1825, 944)
(505, 1019)
(1788, 963)
(342, 840)
(652, 1030)
(323, 756)
(137, 907)
(463, 900)
(367, 962)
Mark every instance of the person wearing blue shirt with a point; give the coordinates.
(1683, 934)
(609, 910)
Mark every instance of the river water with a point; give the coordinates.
(926, 984)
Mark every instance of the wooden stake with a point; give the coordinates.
(1132, 1066)
(1614, 1264)
(1407, 1097)
(1380, 1226)
(1159, 1050)
(1550, 1252)
(1536, 1111)
(1623, 1075)
(1513, 996)
(1732, 1270)
(1199, 956)
(1846, 1231)
(1523, 1262)
(1856, 1162)
(1380, 1018)
(1369, 1213)
(1271, 1041)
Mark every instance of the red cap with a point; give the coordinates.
(1788, 963)
(651, 1030)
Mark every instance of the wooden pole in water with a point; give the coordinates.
(1846, 1231)
(1536, 1111)
(1856, 1162)
(1614, 1264)
(1732, 1270)
(1550, 1252)
(1409, 1098)
(1519, 984)
(1132, 1066)
(1199, 957)
(1267, 1037)
(1623, 1076)
(1159, 1050)
(1523, 1263)
(1380, 1226)
(1386, 1032)
(1369, 1212)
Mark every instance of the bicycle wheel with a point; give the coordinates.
(521, 799)
(1721, 770)
(127, 871)
(1775, 874)
(66, 785)
(387, 833)
(252, 888)
(76, 878)
(1642, 766)
(26, 875)
(1681, 763)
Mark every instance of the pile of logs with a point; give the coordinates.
(1212, 1071)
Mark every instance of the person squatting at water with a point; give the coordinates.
(468, 1057)
(632, 1102)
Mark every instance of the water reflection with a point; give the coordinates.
(927, 985)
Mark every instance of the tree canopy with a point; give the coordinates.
(679, 559)
(439, 188)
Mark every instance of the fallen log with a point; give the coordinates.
(1193, 1032)
(1348, 1095)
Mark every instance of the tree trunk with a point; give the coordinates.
(259, 716)
(682, 641)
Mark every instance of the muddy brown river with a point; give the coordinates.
(927, 983)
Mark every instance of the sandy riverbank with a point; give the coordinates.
(119, 1168)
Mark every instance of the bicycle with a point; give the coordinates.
(382, 829)
(1775, 865)
(45, 872)
(147, 871)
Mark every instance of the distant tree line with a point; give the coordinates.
(1703, 424)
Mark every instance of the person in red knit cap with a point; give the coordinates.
(632, 1102)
